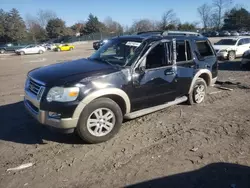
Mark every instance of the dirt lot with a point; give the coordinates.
(182, 146)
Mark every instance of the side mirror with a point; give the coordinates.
(140, 70)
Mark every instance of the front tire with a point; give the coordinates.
(40, 52)
(22, 53)
(198, 93)
(231, 55)
(100, 121)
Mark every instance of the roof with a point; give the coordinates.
(235, 37)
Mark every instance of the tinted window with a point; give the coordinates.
(241, 42)
(156, 57)
(247, 41)
(226, 42)
(204, 48)
(183, 51)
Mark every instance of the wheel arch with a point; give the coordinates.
(204, 74)
(118, 95)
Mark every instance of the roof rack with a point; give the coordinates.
(149, 32)
(180, 33)
(169, 33)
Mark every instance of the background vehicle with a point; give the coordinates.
(51, 46)
(98, 44)
(128, 77)
(243, 33)
(215, 34)
(231, 48)
(224, 33)
(10, 47)
(31, 49)
(234, 33)
(64, 47)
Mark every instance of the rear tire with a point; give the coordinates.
(231, 56)
(2, 51)
(198, 93)
(99, 121)
(70, 49)
(22, 53)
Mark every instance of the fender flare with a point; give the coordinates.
(102, 92)
(197, 75)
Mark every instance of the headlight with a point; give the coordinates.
(61, 94)
(223, 51)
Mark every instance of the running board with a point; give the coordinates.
(146, 111)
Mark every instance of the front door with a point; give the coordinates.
(156, 84)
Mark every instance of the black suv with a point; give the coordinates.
(128, 77)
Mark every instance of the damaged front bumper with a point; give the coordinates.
(32, 105)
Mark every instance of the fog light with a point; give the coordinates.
(54, 115)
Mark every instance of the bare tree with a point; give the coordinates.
(113, 26)
(143, 25)
(169, 18)
(43, 16)
(220, 6)
(205, 12)
(36, 32)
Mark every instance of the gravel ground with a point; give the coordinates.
(182, 146)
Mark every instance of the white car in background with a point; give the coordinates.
(51, 46)
(230, 48)
(31, 49)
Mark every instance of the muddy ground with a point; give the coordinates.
(182, 146)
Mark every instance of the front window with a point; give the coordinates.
(117, 51)
(226, 42)
(30, 46)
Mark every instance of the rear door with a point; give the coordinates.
(185, 66)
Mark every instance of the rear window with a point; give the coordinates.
(204, 48)
(247, 41)
(226, 42)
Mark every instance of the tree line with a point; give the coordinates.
(46, 25)
(217, 16)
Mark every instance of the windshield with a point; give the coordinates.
(117, 51)
(226, 42)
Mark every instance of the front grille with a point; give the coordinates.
(36, 88)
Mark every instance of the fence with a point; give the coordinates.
(94, 36)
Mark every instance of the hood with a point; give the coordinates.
(68, 72)
(223, 47)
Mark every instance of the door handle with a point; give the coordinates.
(169, 72)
